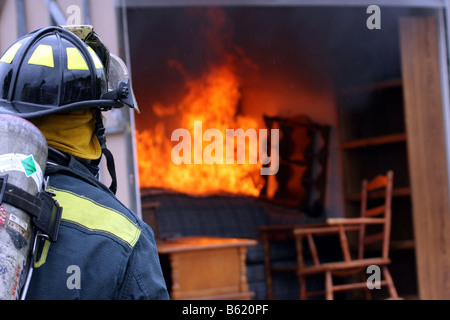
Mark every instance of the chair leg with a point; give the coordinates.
(366, 289)
(267, 267)
(390, 283)
(303, 292)
(329, 286)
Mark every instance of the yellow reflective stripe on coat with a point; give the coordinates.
(95, 217)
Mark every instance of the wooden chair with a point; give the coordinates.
(380, 187)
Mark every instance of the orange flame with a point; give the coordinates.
(212, 99)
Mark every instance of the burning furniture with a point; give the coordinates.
(288, 199)
(184, 168)
(301, 180)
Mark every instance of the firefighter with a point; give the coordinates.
(61, 79)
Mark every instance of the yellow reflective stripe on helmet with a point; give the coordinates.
(75, 60)
(11, 53)
(97, 62)
(42, 56)
(95, 217)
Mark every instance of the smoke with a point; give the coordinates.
(297, 48)
(179, 45)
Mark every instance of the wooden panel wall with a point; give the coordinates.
(427, 154)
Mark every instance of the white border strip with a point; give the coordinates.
(336, 3)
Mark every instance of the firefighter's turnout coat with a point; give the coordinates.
(103, 251)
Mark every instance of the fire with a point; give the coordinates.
(212, 98)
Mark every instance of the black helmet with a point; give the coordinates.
(53, 69)
(56, 69)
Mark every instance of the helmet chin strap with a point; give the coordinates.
(100, 129)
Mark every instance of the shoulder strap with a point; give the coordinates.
(45, 211)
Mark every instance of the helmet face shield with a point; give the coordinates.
(118, 76)
(52, 70)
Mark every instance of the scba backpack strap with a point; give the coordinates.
(45, 211)
(45, 215)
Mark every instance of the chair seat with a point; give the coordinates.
(341, 265)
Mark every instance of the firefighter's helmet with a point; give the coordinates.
(53, 69)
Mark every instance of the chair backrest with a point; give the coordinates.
(378, 188)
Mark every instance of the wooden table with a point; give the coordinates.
(275, 233)
(206, 267)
